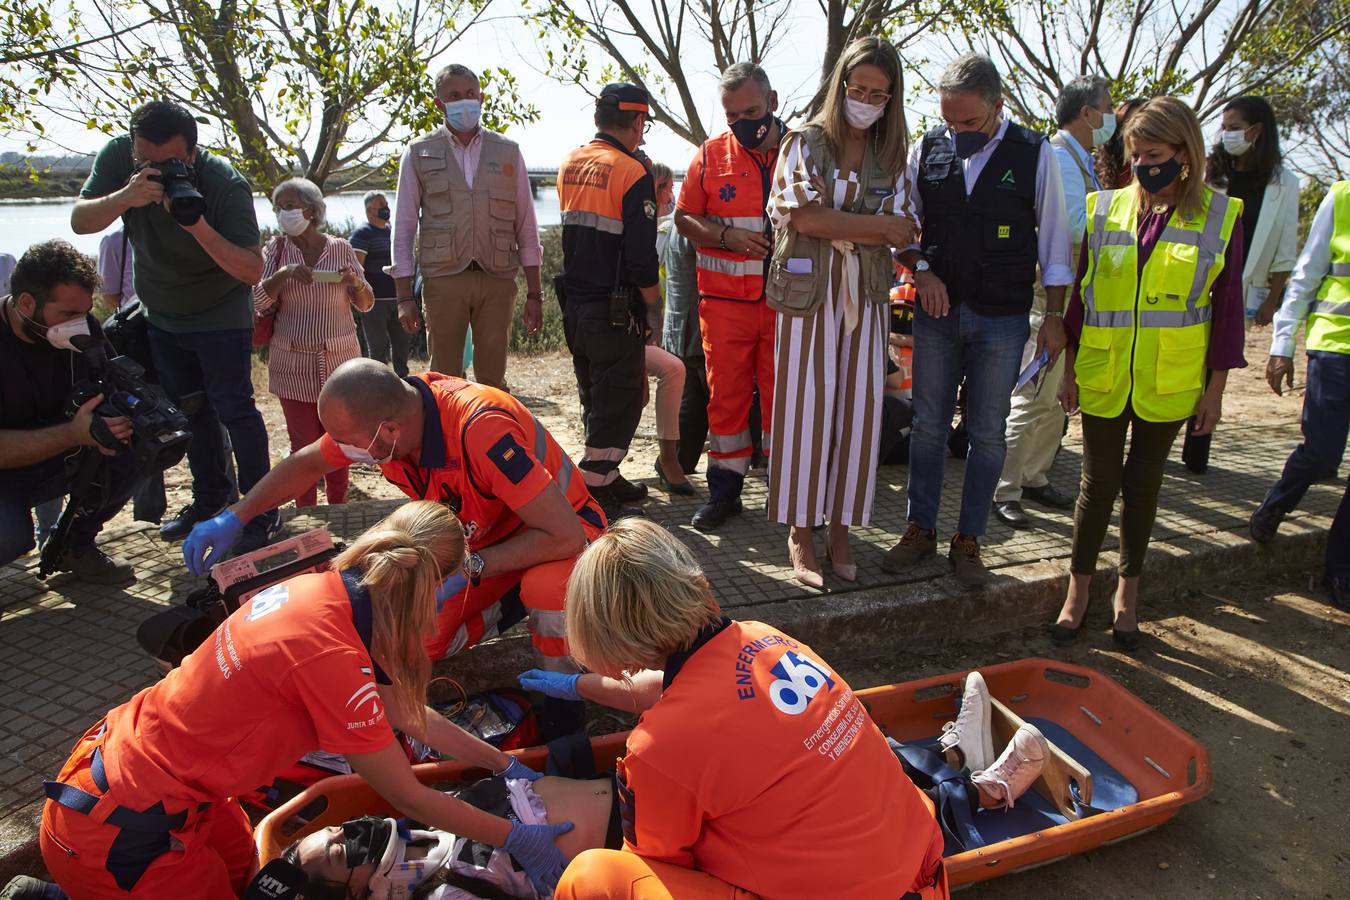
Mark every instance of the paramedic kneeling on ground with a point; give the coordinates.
(525, 508)
(752, 763)
(143, 807)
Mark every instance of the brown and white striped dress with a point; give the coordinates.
(828, 385)
(314, 331)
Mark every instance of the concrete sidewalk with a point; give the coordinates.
(69, 653)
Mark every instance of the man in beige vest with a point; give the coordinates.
(1036, 423)
(464, 198)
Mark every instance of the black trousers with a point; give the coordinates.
(693, 413)
(611, 369)
(24, 488)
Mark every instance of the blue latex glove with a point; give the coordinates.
(518, 769)
(534, 850)
(553, 684)
(450, 587)
(217, 535)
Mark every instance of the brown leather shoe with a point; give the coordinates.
(964, 556)
(917, 544)
(96, 567)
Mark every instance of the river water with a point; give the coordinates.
(26, 222)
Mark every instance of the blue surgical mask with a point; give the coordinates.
(463, 115)
(1102, 133)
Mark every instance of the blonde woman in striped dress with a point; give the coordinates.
(830, 365)
(310, 283)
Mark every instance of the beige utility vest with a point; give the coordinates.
(459, 224)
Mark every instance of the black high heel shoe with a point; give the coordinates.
(684, 488)
(1063, 635)
(1125, 640)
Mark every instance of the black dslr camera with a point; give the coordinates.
(159, 437)
(186, 204)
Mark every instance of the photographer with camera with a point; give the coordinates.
(45, 317)
(190, 221)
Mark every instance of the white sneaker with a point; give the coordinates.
(1018, 768)
(970, 732)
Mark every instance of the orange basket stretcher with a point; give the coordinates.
(1122, 768)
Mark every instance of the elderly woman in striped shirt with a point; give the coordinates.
(310, 282)
(836, 191)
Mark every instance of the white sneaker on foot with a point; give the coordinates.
(1018, 768)
(970, 733)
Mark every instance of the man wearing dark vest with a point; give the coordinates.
(721, 209)
(610, 272)
(464, 198)
(991, 207)
(1036, 424)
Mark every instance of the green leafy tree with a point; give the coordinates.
(325, 88)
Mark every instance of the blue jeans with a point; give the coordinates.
(219, 364)
(986, 351)
(1326, 420)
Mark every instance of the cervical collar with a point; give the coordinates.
(396, 877)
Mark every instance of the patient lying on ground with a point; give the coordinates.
(385, 860)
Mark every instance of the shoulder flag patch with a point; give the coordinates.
(511, 458)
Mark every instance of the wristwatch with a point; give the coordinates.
(473, 568)
(537, 295)
(922, 265)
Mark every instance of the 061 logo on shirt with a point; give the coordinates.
(800, 678)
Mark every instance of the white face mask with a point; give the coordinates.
(59, 335)
(292, 221)
(1235, 141)
(364, 457)
(1102, 133)
(860, 114)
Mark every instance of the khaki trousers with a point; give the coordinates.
(451, 303)
(1035, 423)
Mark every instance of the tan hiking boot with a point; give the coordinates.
(964, 556)
(917, 544)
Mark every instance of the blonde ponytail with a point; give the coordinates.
(403, 559)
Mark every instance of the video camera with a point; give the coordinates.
(159, 436)
(186, 203)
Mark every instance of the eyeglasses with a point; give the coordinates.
(647, 126)
(863, 95)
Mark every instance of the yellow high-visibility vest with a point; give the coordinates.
(1329, 318)
(1146, 335)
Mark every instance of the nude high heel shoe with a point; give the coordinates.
(801, 570)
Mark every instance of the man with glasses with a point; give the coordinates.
(991, 207)
(609, 278)
(464, 199)
(721, 210)
(1036, 424)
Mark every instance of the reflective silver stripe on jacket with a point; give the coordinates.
(1331, 307)
(1340, 270)
(749, 223)
(592, 220)
(724, 266)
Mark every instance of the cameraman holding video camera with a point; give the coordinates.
(45, 317)
(190, 220)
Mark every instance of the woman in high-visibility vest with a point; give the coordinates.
(1154, 324)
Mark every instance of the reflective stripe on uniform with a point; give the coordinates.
(1331, 307)
(728, 443)
(749, 223)
(1117, 318)
(1340, 270)
(592, 220)
(724, 266)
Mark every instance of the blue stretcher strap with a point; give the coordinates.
(955, 809)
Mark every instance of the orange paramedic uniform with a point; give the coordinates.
(143, 805)
(486, 455)
(759, 767)
(729, 185)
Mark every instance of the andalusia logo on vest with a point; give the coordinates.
(800, 678)
(1007, 182)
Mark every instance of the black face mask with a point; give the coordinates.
(382, 213)
(365, 839)
(1154, 178)
(750, 133)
